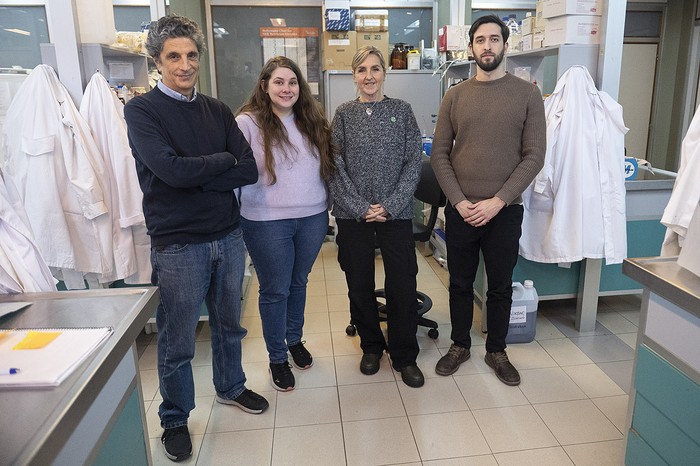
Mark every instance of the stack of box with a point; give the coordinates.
(533, 29)
(571, 21)
(338, 44)
(372, 28)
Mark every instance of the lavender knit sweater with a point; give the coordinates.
(378, 158)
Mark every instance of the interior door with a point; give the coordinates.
(636, 94)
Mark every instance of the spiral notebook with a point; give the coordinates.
(45, 356)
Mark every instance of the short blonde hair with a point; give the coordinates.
(364, 52)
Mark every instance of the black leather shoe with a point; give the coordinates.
(370, 363)
(412, 376)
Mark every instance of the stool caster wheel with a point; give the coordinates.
(433, 333)
(350, 330)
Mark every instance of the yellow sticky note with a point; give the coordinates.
(36, 340)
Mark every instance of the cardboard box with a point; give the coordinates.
(337, 19)
(338, 48)
(372, 20)
(527, 42)
(537, 39)
(553, 8)
(528, 25)
(375, 39)
(453, 38)
(572, 29)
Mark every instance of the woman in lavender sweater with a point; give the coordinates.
(284, 216)
(378, 160)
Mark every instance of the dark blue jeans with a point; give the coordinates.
(498, 242)
(283, 252)
(356, 245)
(187, 275)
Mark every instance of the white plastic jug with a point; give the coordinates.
(523, 313)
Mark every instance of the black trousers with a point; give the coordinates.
(498, 242)
(356, 244)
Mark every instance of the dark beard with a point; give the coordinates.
(497, 59)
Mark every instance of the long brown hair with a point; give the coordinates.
(308, 117)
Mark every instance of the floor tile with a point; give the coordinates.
(370, 401)
(316, 322)
(253, 324)
(339, 286)
(149, 383)
(597, 454)
(555, 456)
(448, 435)
(545, 329)
(254, 349)
(228, 418)
(202, 353)
(149, 358)
(565, 324)
(620, 372)
(321, 374)
(632, 316)
(348, 371)
(483, 460)
(629, 338)
(344, 344)
(486, 391)
(379, 442)
(577, 422)
(249, 447)
(316, 304)
(513, 428)
(307, 406)
(564, 352)
(616, 323)
(604, 348)
(548, 385)
(615, 409)
(318, 445)
(438, 395)
(529, 356)
(197, 422)
(593, 381)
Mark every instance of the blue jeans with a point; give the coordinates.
(498, 241)
(186, 275)
(283, 252)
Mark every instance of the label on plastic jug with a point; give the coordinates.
(518, 314)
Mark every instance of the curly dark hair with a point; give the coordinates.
(169, 27)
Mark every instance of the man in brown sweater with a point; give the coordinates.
(489, 145)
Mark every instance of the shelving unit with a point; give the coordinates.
(547, 64)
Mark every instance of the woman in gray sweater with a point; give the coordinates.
(378, 159)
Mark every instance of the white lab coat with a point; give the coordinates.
(104, 114)
(686, 192)
(22, 269)
(58, 171)
(575, 207)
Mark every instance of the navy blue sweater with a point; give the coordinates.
(190, 156)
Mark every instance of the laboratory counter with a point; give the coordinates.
(96, 415)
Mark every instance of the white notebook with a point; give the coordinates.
(49, 365)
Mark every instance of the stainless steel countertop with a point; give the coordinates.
(664, 277)
(35, 423)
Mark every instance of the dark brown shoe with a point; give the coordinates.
(505, 371)
(449, 363)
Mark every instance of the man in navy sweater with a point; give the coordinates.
(190, 156)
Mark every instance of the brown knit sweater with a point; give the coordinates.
(499, 133)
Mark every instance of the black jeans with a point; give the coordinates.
(498, 242)
(356, 244)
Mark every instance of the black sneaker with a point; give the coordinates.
(301, 356)
(449, 363)
(282, 377)
(248, 401)
(177, 443)
(505, 371)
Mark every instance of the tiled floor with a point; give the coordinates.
(569, 409)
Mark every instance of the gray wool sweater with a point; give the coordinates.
(378, 158)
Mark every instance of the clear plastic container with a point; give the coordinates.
(523, 313)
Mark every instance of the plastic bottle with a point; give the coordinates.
(523, 314)
(512, 24)
(427, 144)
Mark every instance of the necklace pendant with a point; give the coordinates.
(368, 110)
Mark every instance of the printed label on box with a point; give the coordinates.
(518, 314)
